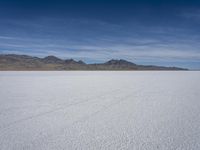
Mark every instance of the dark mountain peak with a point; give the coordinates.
(70, 61)
(81, 62)
(119, 62)
(52, 59)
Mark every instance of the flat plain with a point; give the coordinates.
(91, 110)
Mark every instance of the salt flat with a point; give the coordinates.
(100, 110)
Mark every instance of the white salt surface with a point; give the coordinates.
(100, 110)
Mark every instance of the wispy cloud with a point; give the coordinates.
(195, 14)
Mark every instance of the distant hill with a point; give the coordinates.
(24, 62)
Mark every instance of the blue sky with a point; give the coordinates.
(144, 32)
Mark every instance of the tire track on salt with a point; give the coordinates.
(8, 126)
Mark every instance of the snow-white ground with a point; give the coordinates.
(100, 110)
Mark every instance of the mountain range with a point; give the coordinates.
(25, 62)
